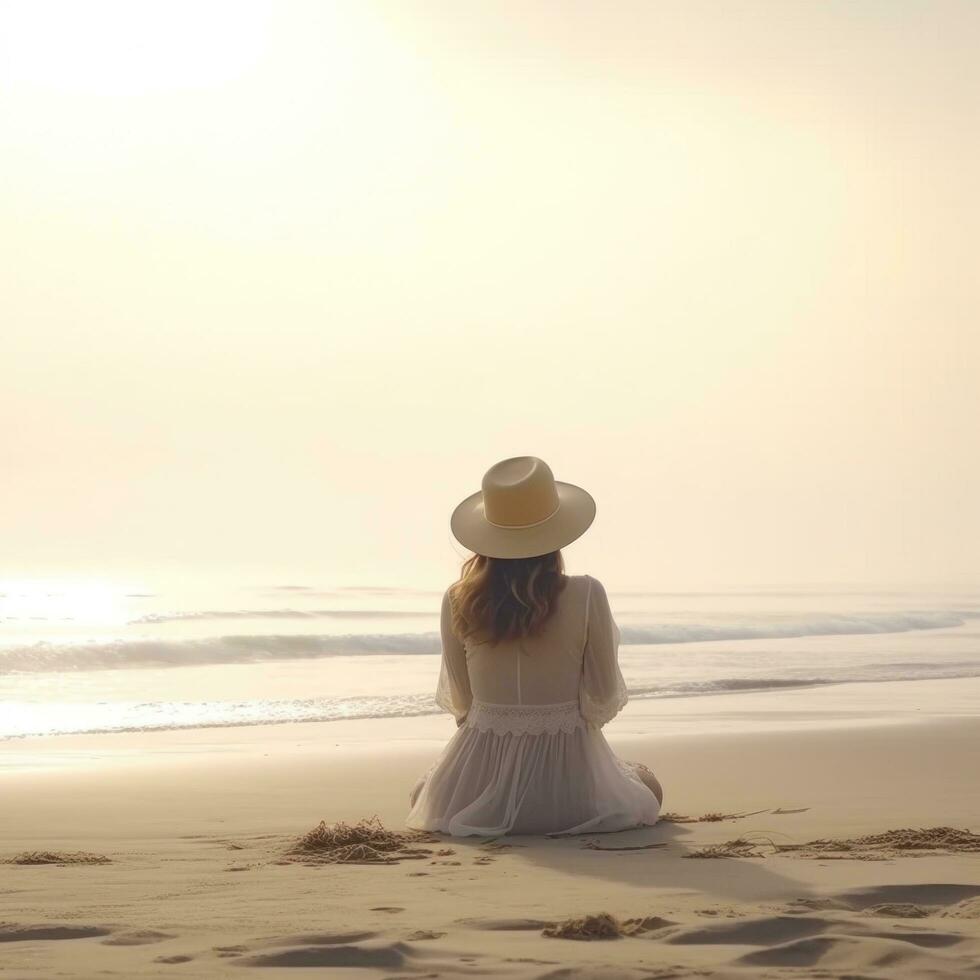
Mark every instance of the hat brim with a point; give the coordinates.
(470, 527)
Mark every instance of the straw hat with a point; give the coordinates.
(522, 511)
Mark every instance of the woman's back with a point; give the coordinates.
(573, 663)
(529, 755)
(542, 669)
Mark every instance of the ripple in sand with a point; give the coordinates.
(800, 952)
(855, 953)
(12, 932)
(645, 972)
(967, 909)
(752, 932)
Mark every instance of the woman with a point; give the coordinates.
(530, 672)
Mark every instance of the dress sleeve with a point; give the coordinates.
(453, 690)
(602, 691)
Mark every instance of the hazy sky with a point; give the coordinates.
(279, 282)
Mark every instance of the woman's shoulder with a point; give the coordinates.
(593, 589)
(583, 587)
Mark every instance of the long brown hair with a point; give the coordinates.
(499, 599)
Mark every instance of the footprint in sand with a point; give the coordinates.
(859, 953)
(12, 932)
(922, 895)
(316, 939)
(928, 940)
(752, 932)
(801, 952)
(506, 925)
(380, 957)
(137, 937)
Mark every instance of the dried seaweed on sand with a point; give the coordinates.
(367, 841)
(602, 925)
(891, 843)
(741, 847)
(906, 842)
(707, 817)
(57, 857)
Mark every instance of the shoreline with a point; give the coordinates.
(858, 704)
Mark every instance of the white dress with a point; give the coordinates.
(529, 755)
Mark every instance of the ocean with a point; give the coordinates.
(80, 658)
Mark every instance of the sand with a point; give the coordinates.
(179, 851)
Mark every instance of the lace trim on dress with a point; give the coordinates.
(525, 719)
(601, 712)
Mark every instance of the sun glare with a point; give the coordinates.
(126, 47)
(83, 602)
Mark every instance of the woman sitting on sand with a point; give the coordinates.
(530, 672)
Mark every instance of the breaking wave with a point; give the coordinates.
(50, 656)
(823, 625)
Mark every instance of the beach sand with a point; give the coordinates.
(196, 827)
